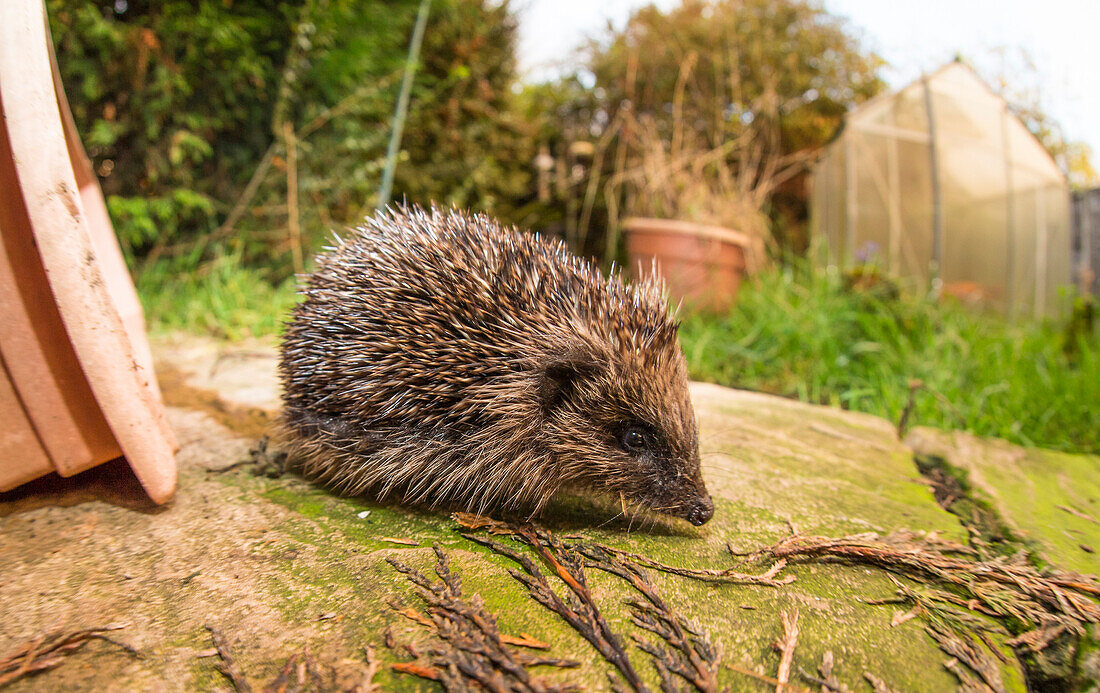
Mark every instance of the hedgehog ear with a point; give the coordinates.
(560, 376)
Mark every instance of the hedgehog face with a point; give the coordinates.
(627, 426)
(670, 479)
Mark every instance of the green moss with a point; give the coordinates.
(953, 490)
(805, 466)
(203, 675)
(1049, 498)
(830, 597)
(1015, 500)
(1088, 660)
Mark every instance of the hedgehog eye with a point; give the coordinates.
(634, 439)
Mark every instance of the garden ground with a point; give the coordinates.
(275, 564)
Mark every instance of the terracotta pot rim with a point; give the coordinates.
(677, 227)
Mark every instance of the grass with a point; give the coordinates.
(805, 335)
(221, 298)
(793, 333)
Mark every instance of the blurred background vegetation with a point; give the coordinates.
(232, 137)
(190, 108)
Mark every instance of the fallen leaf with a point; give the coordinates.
(415, 615)
(900, 618)
(395, 540)
(416, 670)
(524, 640)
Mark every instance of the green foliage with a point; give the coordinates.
(765, 81)
(708, 111)
(156, 90)
(466, 142)
(726, 63)
(463, 143)
(802, 334)
(337, 90)
(180, 102)
(142, 221)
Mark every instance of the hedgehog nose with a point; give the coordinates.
(702, 512)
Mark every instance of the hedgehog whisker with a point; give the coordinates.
(611, 519)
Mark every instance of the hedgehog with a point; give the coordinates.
(441, 359)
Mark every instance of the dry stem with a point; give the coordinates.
(471, 651)
(998, 587)
(49, 650)
(786, 648)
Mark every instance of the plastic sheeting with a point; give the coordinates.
(967, 198)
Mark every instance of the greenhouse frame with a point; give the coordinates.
(942, 184)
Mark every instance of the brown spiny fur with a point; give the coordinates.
(440, 358)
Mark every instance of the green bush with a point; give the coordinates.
(172, 100)
(181, 102)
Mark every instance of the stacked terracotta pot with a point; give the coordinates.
(76, 379)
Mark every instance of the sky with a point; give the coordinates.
(1060, 37)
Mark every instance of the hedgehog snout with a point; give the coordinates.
(700, 512)
(692, 500)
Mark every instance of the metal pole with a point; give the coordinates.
(402, 105)
(851, 207)
(1086, 207)
(937, 199)
(893, 187)
(1010, 218)
(1042, 245)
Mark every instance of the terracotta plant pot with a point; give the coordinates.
(702, 265)
(76, 376)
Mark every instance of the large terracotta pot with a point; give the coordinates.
(702, 265)
(76, 375)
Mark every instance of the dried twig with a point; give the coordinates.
(290, 142)
(471, 651)
(687, 652)
(998, 587)
(761, 677)
(911, 403)
(524, 640)
(901, 617)
(416, 670)
(1077, 513)
(399, 540)
(227, 666)
(962, 648)
(828, 680)
(878, 684)
(367, 685)
(729, 575)
(786, 648)
(46, 651)
(1055, 604)
(299, 671)
(940, 607)
(580, 612)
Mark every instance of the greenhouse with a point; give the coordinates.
(942, 184)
